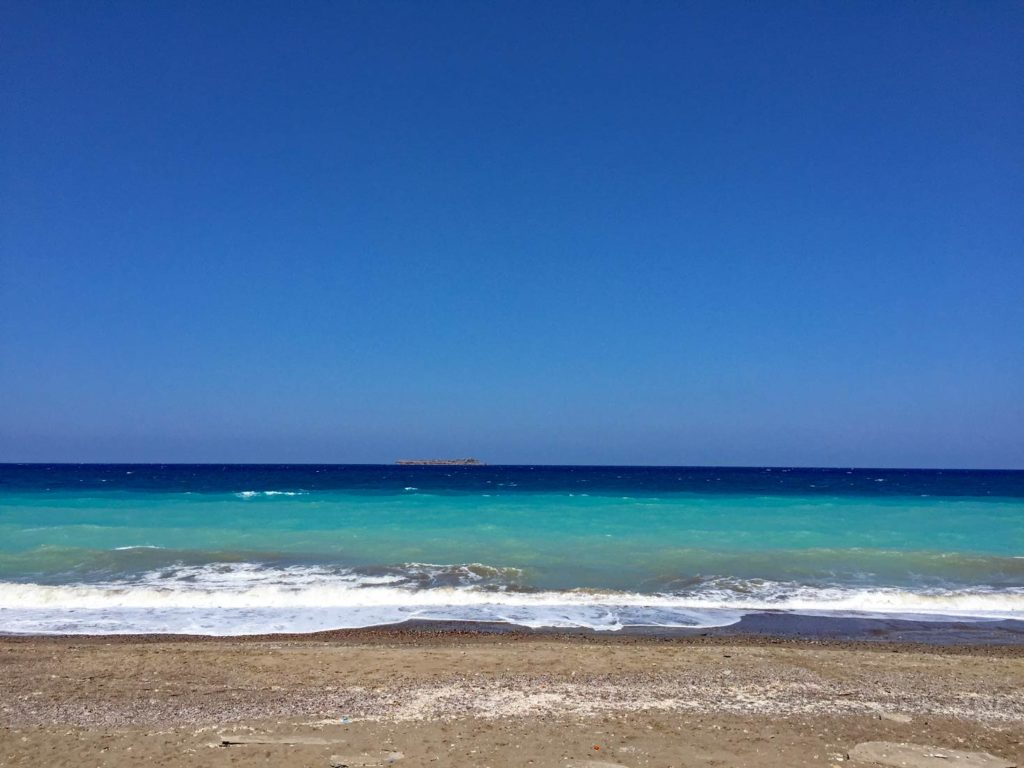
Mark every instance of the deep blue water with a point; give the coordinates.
(385, 478)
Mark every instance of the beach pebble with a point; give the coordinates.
(896, 717)
(903, 755)
(231, 741)
(364, 761)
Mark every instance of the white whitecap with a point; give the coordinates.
(253, 494)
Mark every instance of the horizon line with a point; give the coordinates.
(482, 465)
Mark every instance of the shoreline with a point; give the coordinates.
(1003, 637)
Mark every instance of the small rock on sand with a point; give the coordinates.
(896, 717)
(230, 741)
(903, 755)
(364, 761)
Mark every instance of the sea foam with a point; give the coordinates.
(250, 598)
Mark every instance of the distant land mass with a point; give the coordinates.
(441, 462)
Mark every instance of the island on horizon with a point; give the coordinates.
(441, 462)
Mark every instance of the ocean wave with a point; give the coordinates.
(250, 598)
(254, 494)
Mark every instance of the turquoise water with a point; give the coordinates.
(165, 549)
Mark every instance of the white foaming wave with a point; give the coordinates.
(237, 577)
(248, 598)
(254, 494)
(109, 609)
(977, 603)
(362, 591)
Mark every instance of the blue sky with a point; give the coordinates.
(593, 232)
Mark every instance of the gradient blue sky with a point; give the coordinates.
(570, 232)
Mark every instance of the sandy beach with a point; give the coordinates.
(443, 697)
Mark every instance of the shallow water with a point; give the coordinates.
(247, 549)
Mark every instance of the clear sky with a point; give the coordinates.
(559, 232)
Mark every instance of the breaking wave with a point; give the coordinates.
(252, 598)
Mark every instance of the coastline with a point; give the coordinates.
(753, 629)
(775, 689)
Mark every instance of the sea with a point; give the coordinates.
(252, 549)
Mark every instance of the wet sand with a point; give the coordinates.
(443, 695)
